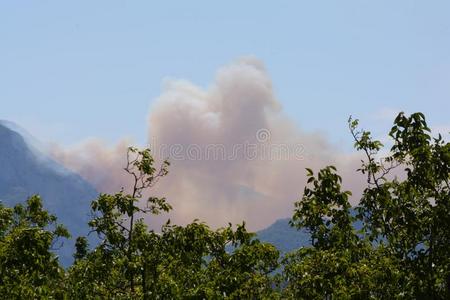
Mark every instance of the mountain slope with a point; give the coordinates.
(284, 237)
(287, 238)
(25, 171)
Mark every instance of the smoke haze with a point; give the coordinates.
(234, 154)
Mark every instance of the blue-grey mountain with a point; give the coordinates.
(25, 171)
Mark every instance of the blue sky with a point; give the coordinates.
(69, 71)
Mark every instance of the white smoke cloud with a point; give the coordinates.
(235, 155)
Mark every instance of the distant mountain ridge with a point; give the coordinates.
(25, 171)
(285, 237)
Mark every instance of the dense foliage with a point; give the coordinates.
(28, 269)
(401, 250)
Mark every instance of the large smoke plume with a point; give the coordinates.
(234, 154)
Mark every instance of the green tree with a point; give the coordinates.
(196, 262)
(112, 268)
(338, 264)
(410, 217)
(182, 261)
(402, 250)
(28, 267)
